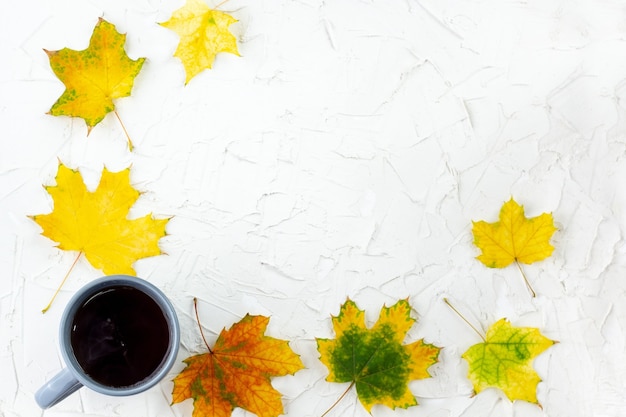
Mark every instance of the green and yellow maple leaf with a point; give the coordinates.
(95, 223)
(505, 359)
(203, 34)
(374, 360)
(94, 77)
(514, 238)
(237, 372)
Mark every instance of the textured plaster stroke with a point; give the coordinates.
(587, 356)
(611, 396)
(11, 330)
(606, 247)
(376, 50)
(487, 161)
(589, 249)
(195, 170)
(592, 171)
(571, 102)
(10, 381)
(11, 324)
(489, 404)
(431, 105)
(439, 20)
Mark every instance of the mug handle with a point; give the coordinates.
(60, 386)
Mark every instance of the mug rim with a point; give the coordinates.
(89, 290)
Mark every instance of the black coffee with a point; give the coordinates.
(119, 336)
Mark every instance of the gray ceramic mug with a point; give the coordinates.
(119, 335)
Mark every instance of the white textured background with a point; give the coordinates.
(344, 154)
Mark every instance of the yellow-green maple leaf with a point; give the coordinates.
(505, 360)
(94, 77)
(203, 34)
(375, 360)
(96, 224)
(514, 238)
(237, 372)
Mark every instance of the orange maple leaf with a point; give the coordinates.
(237, 372)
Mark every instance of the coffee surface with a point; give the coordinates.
(119, 336)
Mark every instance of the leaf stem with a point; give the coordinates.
(464, 319)
(220, 4)
(530, 288)
(195, 306)
(130, 142)
(46, 308)
(339, 399)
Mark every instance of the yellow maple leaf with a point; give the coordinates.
(95, 223)
(203, 34)
(236, 372)
(94, 77)
(514, 238)
(504, 360)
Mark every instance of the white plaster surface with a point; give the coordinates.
(345, 154)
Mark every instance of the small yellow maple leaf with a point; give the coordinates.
(236, 372)
(95, 223)
(203, 34)
(504, 360)
(514, 238)
(94, 77)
